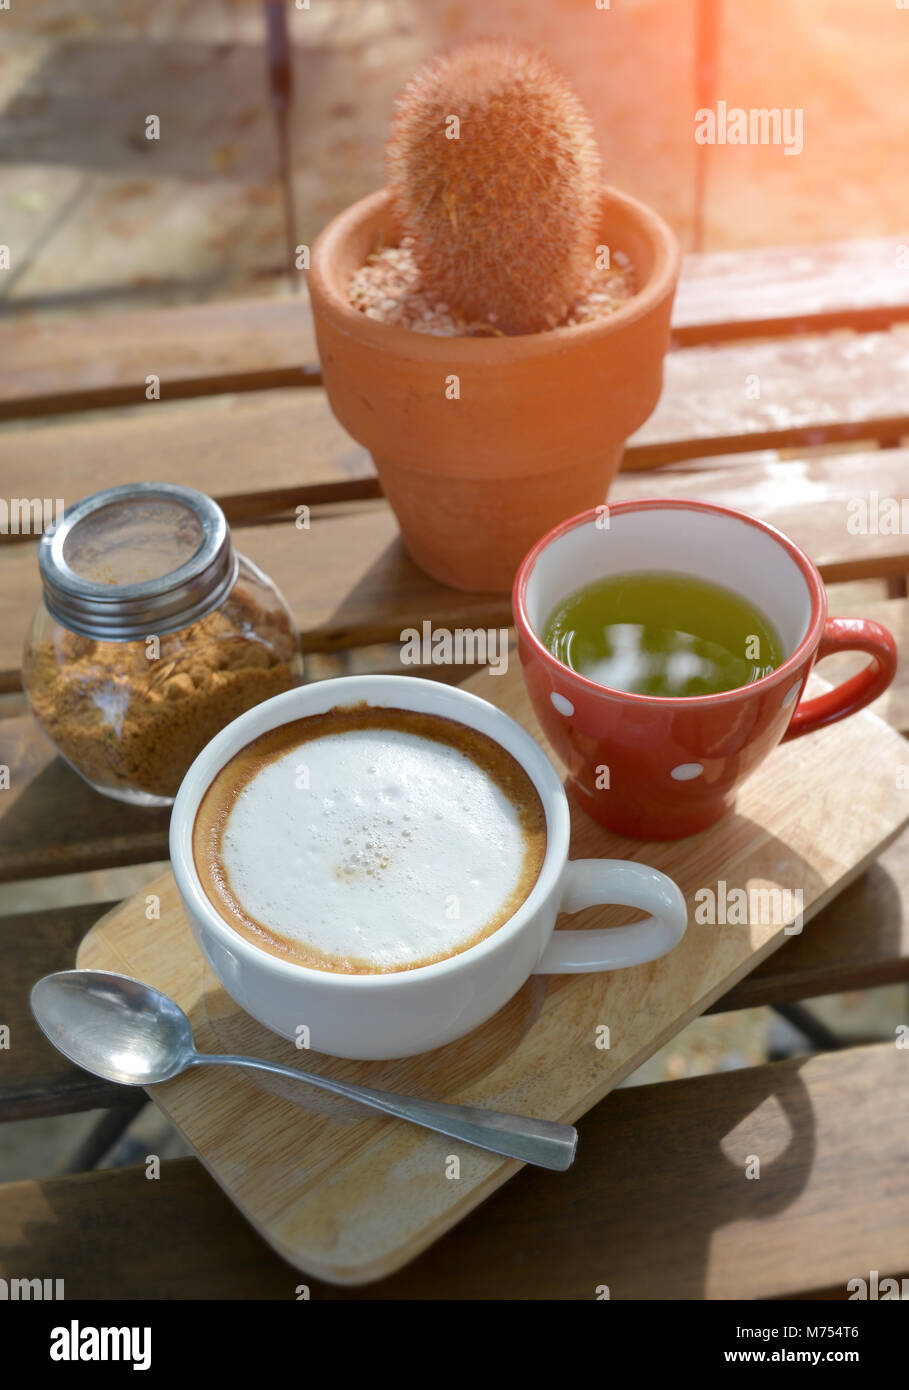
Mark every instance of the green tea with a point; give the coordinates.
(669, 635)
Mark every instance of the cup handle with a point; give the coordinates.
(847, 635)
(595, 882)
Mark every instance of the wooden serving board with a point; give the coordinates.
(349, 1197)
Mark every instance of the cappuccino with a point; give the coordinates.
(367, 840)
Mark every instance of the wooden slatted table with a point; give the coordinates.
(242, 416)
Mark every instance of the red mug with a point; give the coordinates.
(655, 768)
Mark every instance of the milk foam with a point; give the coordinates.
(373, 845)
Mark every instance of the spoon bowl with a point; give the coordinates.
(113, 1026)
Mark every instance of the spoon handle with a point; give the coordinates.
(542, 1142)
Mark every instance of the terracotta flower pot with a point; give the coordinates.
(483, 444)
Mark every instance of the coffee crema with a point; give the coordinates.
(366, 840)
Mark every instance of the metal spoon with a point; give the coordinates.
(126, 1031)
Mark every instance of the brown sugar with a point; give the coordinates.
(132, 716)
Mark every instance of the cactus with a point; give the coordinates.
(503, 203)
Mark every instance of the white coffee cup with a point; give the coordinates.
(398, 1014)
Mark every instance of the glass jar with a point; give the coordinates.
(153, 633)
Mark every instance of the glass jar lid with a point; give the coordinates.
(136, 560)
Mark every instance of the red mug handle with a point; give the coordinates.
(848, 635)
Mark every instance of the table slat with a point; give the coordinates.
(812, 390)
(52, 365)
(35, 1079)
(788, 289)
(349, 582)
(660, 1169)
(250, 344)
(246, 451)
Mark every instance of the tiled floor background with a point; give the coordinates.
(98, 217)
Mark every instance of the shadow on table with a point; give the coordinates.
(651, 1189)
